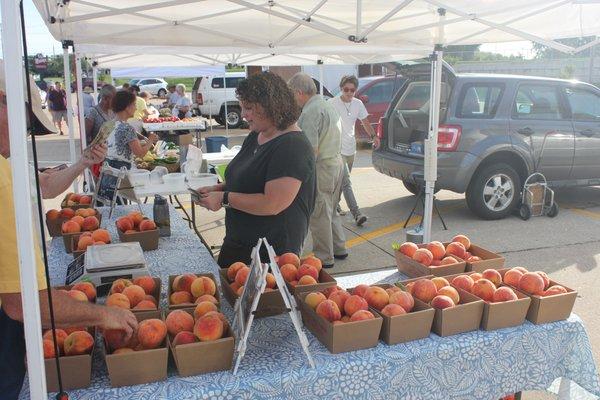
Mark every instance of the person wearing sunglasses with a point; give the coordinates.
(350, 109)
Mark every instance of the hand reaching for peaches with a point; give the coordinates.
(119, 319)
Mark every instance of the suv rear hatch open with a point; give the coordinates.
(406, 121)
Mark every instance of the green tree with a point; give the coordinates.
(545, 52)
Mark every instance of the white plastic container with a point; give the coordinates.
(139, 177)
(201, 180)
(176, 178)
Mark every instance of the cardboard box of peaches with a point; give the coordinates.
(76, 200)
(305, 274)
(56, 218)
(135, 227)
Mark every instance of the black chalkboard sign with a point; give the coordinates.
(75, 269)
(108, 185)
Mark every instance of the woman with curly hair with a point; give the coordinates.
(269, 188)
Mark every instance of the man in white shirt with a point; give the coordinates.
(350, 109)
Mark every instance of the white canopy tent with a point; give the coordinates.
(270, 29)
(166, 71)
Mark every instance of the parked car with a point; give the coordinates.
(495, 130)
(154, 86)
(86, 82)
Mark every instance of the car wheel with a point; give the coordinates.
(219, 120)
(162, 93)
(234, 117)
(494, 191)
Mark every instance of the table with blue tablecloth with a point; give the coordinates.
(474, 365)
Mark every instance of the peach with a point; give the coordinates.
(151, 299)
(504, 293)
(289, 272)
(84, 242)
(233, 269)
(115, 339)
(203, 285)
(360, 290)
(125, 224)
(242, 275)
(77, 295)
(523, 270)
(135, 294)
(393, 289)
(450, 292)
(184, 282)
(271, 283)
(61, 335)
(476, 276)
(473, 259)
(234, 286)
(556, 289)
(101, 235)
(314, 261)
(512, 277)
(344, 319)
(288, 258)
(339, 297)
(147, 225)
(362, 315)
(203, 308)
(136, 217)
(306, 269)
(545, 278)
(435, 263)
(184, 338)
(70, 227)
(181, 297)
(85, 199)
(440, 302)
(440, 282)
(493, 276)
(222, 318)
(145, 305)
(152, 332)
(129, 232)
(49, 351)
(391, 310)
(355, 303)
(74, 197)
(424, 290)
(313, 299)
(207, 297)
(327, 291)
(119, 284)
(532, 283)
(307, 280)
(463, 240)
(240, 290)
(408, 249)
(423, 256)
(448, 261)
(72, 329)
(404, 300)
(77, 343)
(437, 249)
(209, 327)
(67, 213)
(409, 287)
(86, 287)
(79, 220)
(145, 282)
(123, 350)
(329, 310)
(178, 321)
(52, 214)
(90, 224)
(118, 300)
(377, 297)
(465, 282)
(484, 289)
(456, 249)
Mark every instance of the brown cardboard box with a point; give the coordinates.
(68, 240)
(489, 260)
(325, 280)
(54, 225)
(63, 203)
(148, 239)
(76, 371)
(138, 367)
(349, 336)
(505, 314)
(411, 326)
(544, 309)
(190, 305)
(203, 357)
(155, 294)
(269, 304)
(464, 317)
(411, 268)
(184, 139)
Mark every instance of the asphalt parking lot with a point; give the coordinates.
(566, 247)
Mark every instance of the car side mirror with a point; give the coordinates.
(364, 98)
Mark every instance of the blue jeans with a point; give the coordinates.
(12, 357)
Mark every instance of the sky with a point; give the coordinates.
(39, 39)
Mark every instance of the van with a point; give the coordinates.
(211, 93)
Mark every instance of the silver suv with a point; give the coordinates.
(495, 130)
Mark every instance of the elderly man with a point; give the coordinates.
(321, 124)
(67, 311)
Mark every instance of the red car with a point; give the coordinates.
(376, 92)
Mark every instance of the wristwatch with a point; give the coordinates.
(225, 201)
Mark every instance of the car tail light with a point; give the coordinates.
(379, 130)
(448, 137)
(199, 99)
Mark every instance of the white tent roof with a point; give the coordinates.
(251, 25)
(167, 71)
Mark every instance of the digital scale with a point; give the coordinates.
(102, 265)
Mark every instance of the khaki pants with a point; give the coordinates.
(325, 223)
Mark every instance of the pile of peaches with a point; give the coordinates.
(237, 275)
(83, 219)
(97, 237)
(133, 295)
(435, 254)
(535, 283)
(190, 289)
(299, 272)
(150, 334)
(207, 324)
(437, 292)
(74, 199)
(135, 222)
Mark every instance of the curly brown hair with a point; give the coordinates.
(272, 93)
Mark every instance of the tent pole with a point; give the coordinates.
(95, 78)
(70, 122)
(15, 95)
(225, 87)
(82, 133)
(320, 62)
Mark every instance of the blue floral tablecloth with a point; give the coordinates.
(475, 365)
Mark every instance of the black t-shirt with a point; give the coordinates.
(58, 99)
(288, 155)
